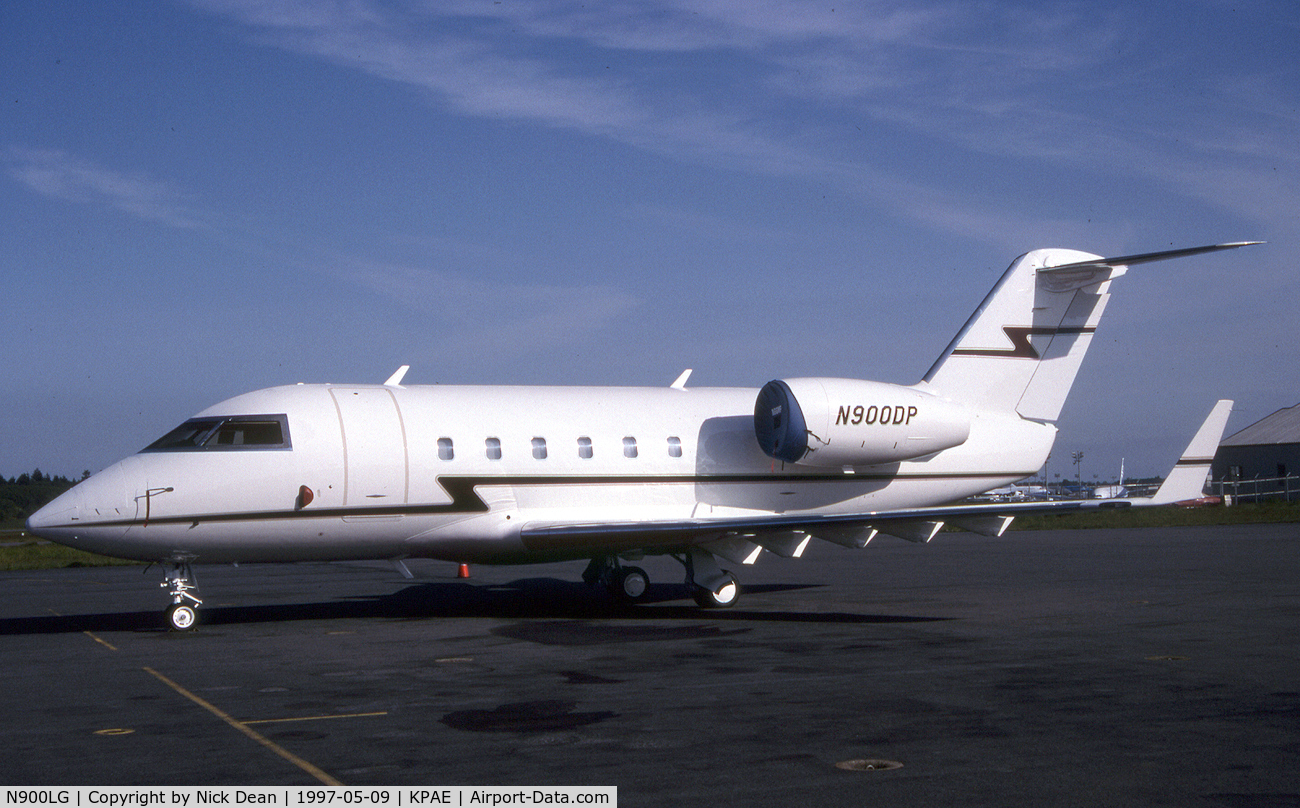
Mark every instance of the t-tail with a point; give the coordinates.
(1021, 349)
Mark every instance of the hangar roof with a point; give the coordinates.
(1282, 426)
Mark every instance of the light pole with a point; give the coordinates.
(1077, 457)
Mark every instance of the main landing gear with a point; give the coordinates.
(724, 597)
(626, 584)
(183, 614)
(711, 586)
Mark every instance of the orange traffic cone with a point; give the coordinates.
(463, 572)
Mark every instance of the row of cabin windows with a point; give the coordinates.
(492, 446)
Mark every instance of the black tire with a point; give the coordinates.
(724, 597)
(182, 617)
(629, 584)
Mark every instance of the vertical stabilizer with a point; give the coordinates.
(1021, 349)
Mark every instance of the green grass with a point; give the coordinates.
(18, 551)
(1166, 516)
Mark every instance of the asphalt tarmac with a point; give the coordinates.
(1137, 667)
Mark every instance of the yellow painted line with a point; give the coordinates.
(87, 633)
(251, 733)
(311, 718)
(98, 640)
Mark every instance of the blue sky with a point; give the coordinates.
(201, 199)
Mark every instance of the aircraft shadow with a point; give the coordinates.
(528, 599)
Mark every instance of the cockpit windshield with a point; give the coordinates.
(228, 433)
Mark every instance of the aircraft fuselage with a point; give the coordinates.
(387, 471)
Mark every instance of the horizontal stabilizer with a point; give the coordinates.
(1146, 258)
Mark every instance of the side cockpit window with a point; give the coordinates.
(225, 434)
(189, 435)
(248, 433)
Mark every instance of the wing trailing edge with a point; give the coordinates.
(741, 538)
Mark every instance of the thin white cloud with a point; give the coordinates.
(60, 175)
(784, 88)
(479, 314)
(673, 25)
(473, 311)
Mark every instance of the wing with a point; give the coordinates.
(740, 538)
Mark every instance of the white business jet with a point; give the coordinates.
(709, 476)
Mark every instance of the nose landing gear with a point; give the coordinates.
(183, 614)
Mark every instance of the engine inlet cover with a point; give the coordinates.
(849, 422)
(779, 423)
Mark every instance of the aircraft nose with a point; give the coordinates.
(99, 501)
(40, 520)
(61, 510)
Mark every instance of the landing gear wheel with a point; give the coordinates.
(182, 617)
(721, 598)
(629, 584)
(183, 614)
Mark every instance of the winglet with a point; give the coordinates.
(396, 379)
(1187, 479)
(680, 384)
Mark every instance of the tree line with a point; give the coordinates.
(40, 478)
(22, 496)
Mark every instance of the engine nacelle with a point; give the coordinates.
(849, 422)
